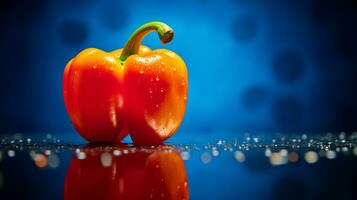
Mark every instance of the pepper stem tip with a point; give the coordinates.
(165, 32)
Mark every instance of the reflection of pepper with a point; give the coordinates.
(132, 90)
(146, 174)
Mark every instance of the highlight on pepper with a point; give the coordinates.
(133, 90)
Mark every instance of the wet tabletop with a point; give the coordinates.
(188, 166)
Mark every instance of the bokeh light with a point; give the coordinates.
(40, 160)
(311, 157)
(53, 161)
(106, 159)
(293, 157)
(206, 158)
(185, 155)
(11, 153)
(239, 156)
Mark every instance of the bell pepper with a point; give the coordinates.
(132, 90)
(155, 174)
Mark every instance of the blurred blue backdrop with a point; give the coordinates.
(253, 65)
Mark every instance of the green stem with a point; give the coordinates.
(132, 46)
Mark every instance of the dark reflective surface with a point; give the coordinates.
(197, 166)
(119, 172)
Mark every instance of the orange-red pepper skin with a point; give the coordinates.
(153, 174)
(94, 97)
(133, 90)
(156, 94)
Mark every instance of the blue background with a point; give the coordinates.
(253, 65)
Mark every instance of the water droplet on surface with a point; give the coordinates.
(157, 78)
(116, 152)
(215, 152)
(185, 155)
(157, 105)
(161, 90)
(141, 71)
(94, 66)
(81, 155)
(185, 97)
(174, 69)
(106, 159)
(267, 153)
(48, 152)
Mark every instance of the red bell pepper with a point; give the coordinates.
(131, 90)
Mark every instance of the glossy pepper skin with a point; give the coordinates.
(154, 174)
(133, 90)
